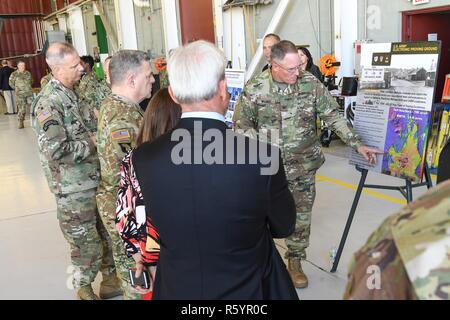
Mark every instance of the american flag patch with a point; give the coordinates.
(121, 135)
(43, 116)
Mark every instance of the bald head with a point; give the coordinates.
(57, 52)
(64, 61)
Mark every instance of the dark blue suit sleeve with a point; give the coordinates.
(282, 212)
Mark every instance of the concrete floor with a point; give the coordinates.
(34, 257)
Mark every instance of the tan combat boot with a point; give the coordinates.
(110, 287)
(295, 271)
(20, 126)
(86, 293)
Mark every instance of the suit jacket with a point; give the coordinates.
(5, 73)
(216, 222)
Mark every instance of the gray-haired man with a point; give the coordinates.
(118, 125)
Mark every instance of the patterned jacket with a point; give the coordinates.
(133, 224)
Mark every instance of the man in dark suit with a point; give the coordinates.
(216, 202)
(8, 93)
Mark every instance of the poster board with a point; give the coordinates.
(235, 84)
(394, 103)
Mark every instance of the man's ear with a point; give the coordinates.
(172, 95)
(130, 80)
(223, 88)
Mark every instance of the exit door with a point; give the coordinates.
(196, 20)
(417, 25)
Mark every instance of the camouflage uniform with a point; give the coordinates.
(291, 110)
(91, 93)
(21, 83)
(118, 126)
(71, 166)
(411, 250)
(46, 79)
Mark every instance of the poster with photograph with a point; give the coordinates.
(393, 107)
(235, 84)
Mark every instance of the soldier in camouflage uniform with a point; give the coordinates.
(408, 256)
(287, 100)
(21, 81)
(118, 127)
(70, 162)
(91, 92)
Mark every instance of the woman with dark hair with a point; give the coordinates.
(307, 63)
(140, 237)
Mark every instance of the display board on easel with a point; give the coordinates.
(392, 113)
(394, 103)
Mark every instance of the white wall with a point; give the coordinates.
(346, 33)
(77, 30)
(149, 27)
(234, 37)
(307, 22)
(385, 18)
(171, 26)
(126, 24)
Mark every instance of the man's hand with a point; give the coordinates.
(370, 154)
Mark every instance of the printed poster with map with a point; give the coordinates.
(235, 85)
(393, 108)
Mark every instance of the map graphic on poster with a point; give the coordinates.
(407, 132)
(394, 102)
(235, 85)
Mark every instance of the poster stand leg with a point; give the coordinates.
(350, 217)
(406, 191)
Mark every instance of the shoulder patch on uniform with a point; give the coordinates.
(44, 116)
(121, 135)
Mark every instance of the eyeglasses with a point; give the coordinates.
(289, 70)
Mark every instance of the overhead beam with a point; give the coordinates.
(20, 15)
(273, 25)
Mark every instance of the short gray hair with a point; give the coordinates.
(279, 51)
(195, 71)
(125, 61)
(58, 51)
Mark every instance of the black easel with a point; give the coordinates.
(406, 191)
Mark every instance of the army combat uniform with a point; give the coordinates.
(409, 253)
(71, 166)
(46, 79)
(21, 83)
(118, 126)
(91, 93)
(291, 110)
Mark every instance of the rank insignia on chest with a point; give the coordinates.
(122, 135)
(44, 116)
